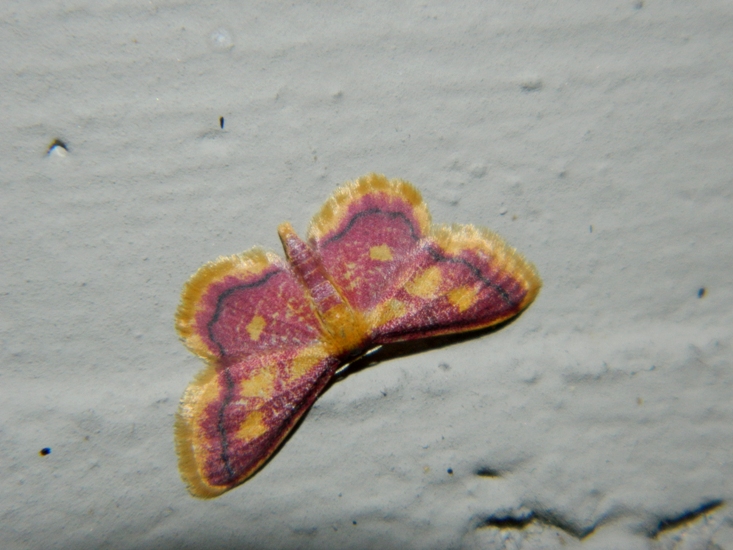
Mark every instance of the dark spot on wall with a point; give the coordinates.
(57, 143)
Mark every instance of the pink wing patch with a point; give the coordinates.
(365, 234)
(460, 279)
(411, 279)
(252, 319)
(241, 413)
(244, 305)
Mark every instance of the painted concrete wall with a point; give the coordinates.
(596, 137)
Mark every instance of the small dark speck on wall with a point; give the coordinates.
(45, 451)
(221, 122)
(701, 292)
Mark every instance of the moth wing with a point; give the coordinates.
(250, 318)
(244, 304)
(461, 278)
(410, 279)
(233, 418)
(365, 233)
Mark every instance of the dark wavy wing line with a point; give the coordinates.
(224, 295)
(438, 257)
(370, 212)
(229, 389)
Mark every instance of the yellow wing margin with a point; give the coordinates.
(183, 432)
(456, 237)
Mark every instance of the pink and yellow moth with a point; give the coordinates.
(373, 271)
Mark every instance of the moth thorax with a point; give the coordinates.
(345, 329)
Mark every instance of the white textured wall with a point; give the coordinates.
(606, 406)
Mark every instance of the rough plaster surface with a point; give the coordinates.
(595, 136)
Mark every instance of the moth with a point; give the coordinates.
(273, 332)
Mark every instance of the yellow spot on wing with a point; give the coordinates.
(261, 384)
(386, 312)
(381, 253)
(255, 327)
(306, 360)
(426, 284)
(462, 297)
(252, 427)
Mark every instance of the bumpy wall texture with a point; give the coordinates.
(142, 139)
